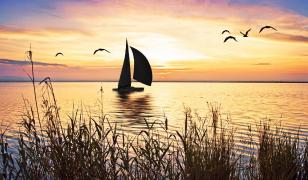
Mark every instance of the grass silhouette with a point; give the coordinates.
(91, 147)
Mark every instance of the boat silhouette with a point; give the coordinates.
(142, 72)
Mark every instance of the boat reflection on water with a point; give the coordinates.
(132, 109)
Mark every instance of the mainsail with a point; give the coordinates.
(142, 68)
(125, 79)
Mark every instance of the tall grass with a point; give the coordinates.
(209, 147)
(7, 161)
(279, 154)
(86, 146)
(92, 147)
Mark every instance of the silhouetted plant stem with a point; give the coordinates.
(32, 78)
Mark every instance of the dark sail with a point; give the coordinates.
(125, 79)
(142, 68)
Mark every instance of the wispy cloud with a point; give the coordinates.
(262, 64)
(15, 31)
(287, 37)
(25, 63)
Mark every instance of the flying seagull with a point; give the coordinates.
(224, 31)
(267, 27)
(230, 37)
(59, 53)
(246, 34)
(100, 50)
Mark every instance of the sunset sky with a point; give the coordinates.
(182, 39)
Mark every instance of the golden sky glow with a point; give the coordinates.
(182, 40)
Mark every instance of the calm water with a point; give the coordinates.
(246, 103)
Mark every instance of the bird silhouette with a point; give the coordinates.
(267, 27)
(230, 37)
(100, 50)
(246, 34)
(59, 53)
(225, 31)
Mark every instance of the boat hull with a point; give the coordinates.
(128, 89)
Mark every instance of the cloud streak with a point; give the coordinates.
(262, 64)
(26, 63)
(15, 31)
(287, 37)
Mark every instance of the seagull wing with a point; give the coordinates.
(242, 33)
(268, 27)
(107, 50)
(272, 28)
(230, 37)
(59, 54)
(101, 50)
(225, 31)
(262, 29)
(248, 31)
(95, 51)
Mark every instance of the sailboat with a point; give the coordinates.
(142, 72)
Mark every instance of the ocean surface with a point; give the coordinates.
(244, 103)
